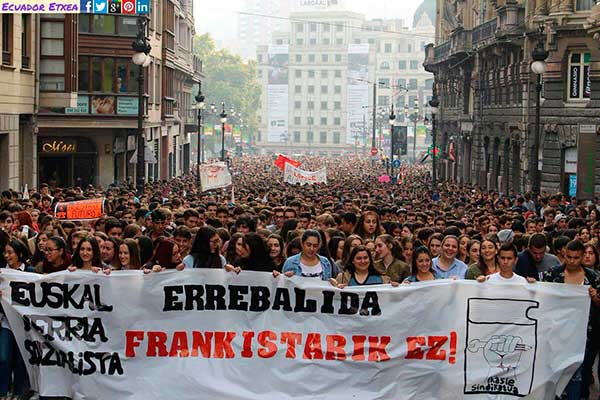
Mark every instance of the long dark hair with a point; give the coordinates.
(200, 251)
(360, 230)
(350, 264)
(259, 259)
(333, 244)
(20, 249)
(163, 254)
(419, 250)
(96, 258)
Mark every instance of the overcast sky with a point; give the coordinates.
(219, 17)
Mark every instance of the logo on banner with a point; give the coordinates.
(114, 7)
(85, 6)
(128, 7)
(100, 6)
(505, 344)
(143, 6)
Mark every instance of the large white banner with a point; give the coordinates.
(214, 335)
(277, 93)
(358, 92)
(214, 176)
(295, 175)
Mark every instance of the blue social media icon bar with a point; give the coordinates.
(142, 7)
(129, 7)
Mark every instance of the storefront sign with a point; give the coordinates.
(103, 104)
(58, 146)
(127, 105)
(83, 106)
(80, 210)
(574, 84)
(572, 185)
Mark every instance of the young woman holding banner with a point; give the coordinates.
(421, 268)
(360, 271)
(308, 263)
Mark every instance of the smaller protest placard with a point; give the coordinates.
(214, 176)
(295, 175)
(80, 210)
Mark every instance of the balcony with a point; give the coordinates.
(168, 107)
(484, 33)
(511, 20)
(460, 42)
(441, 52)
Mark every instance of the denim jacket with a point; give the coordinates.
(293, 264)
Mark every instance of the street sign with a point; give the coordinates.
(374, 151)
(396, 163)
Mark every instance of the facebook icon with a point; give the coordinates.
(143, 7)
(85, 6)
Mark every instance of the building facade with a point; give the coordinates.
(258, 22)
(337, 66)
(87, 119)
(18, 101)
(482, 66)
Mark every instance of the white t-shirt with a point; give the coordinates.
(312, 271)
(499, 278)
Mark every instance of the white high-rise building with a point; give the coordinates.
(257, 22)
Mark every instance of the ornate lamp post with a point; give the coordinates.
(223, 116)
(538, 67)
(200, 147)
(434, 103)
(392, 120)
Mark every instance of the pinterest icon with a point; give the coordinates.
(128, 7)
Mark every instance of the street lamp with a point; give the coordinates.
(392, 119)
(538, 67)
(434, 103)
(200, 142)
(141, 58)
(223, 116)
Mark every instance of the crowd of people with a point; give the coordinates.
(352, 231)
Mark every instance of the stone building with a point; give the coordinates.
(481, 61)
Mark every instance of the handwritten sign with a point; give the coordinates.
(80, 210)
(214, 176)
(295, 175)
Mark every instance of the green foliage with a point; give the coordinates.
(229, 79)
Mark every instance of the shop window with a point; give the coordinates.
(579, 86)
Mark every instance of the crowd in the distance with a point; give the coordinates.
(353, 231)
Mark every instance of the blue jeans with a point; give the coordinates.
(573, 389)
(11, 364)
(588, 370)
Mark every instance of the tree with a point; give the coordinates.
(230, 80)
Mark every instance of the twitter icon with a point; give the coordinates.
(100, 7)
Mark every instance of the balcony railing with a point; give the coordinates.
(168, 107)
(484, 32)
(6, 57)
(442, 51)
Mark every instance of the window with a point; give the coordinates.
(298, 58)
(323, 120)
(339, 41)
(326, 41)
(103, 24)
(324, 89)
(413, 102)
(299, 41)
(338, 73)
(310, 136)
(583, 5)
(337, 121)
(311, 58)
(322, 137)
(311, 89)
(383, 101)
(297, 121)
(336, 138)
(409, 48)
(412, 84)
(402, 64)
(310, 121)
(311, 73)
(338, 58)
(299, 27)
(52, 52)
(388, 48)
(25, 41)
(414, 64)
(279, 41)
(339, 27)
(7, 39)
(326, 27)
(297, 89)
(401, 83)
(259, 58)
(323, 105)
(310, 105)
(337, 89)
(296, 137)
(384, 65)
(337, 105)
(83, 74)
(385, 82)
(313, 27)
(313, 41)
(324, 57)
(429, 84)
(400, 101)
(324, 73)
(297, 105)
(579, 76)
(298, 73)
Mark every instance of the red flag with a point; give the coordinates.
(281, 160)
(451, 152)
